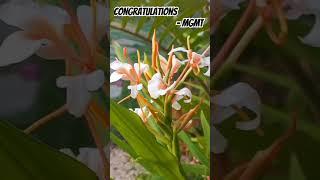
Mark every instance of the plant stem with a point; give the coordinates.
(100, 145)
(46, 119)
(233, 38)
(241, 46)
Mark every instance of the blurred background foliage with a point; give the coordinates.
(287, 80)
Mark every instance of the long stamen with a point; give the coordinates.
(124, 99)
(46, 119)
(83, 42)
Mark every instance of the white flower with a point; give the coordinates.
(240, 95)
(79, 90)
(21, 44)
(184, 92)
(297, 8)
(157, 87)
(135, 90)
(176, 64)
(196, 60)
(89, 157)
(122, 71)
(125, 71)
(143, 113)
(206, 63)
(115, 91)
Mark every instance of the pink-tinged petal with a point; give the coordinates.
(22, 15)
(78, 96)
(313, 38)
(17, 47)
(115, 76)
(50, 52)
(135, 90)
(218, 143)
(154, 85)
(241, 95)
(141, 69)
(85, 17)
(117, 65)
(94, 80)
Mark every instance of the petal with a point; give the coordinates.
(185, 92)
(95, 80)
(242, 95)
(178, 49)
(135, 90)
(84, 14)
(19, 15)
(218, 143)
(313, 38)
(50, 51)
(153, 85)
(55, 16)
(16, 48)
(208, 72)
(116, 65)
(176, 105)
(142, 69)
(115, 76)
(78, 96)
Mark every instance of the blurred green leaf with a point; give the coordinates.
(296, 172)
(24, 158)
(206, 131)
(150, 154)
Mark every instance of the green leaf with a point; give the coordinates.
(206, 131)
(123, 145)
(194, 148)
(153, 156)
(195, 169)
(24, 158)
(296, 172)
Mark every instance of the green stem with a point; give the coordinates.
(240, 47)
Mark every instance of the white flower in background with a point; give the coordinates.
(89, 157)
(21, 44)
(297, 8)
(240, 95)
(157, 86)
(143, 113)
(125, 71)
(17, 94)
(196, 60)
(115, 91)
(79, 90)
(182, 93)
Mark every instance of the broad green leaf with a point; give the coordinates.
(296, 172)
(195, 169)
(123, 145)
(206, 131)
(22, 157)
(153, 156)
(194, 148)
